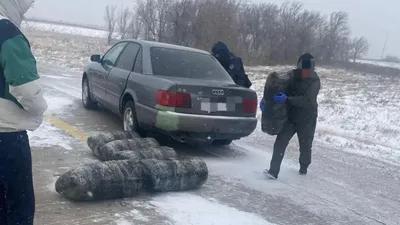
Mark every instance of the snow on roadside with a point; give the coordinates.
(71, 52)
(51, 186)
(47, 135)
(380, 63)
(189, 209)
(56, 103)
(126, 218)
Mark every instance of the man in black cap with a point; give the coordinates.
(232, 64)
(301, 98)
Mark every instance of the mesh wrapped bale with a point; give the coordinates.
(97, 141)
(161, 153)
(274, 115)
(134, 149)
(174, 175)
(99, 181)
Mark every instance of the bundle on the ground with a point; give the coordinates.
(274, 115)
(132, 164)
(98, 181)
(95, 142)
(134, 149)
(174, 175)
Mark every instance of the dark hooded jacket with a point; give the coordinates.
(232, 64)
(302, 100)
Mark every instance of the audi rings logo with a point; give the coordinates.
(218, 92)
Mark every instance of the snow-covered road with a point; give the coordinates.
(346, 185)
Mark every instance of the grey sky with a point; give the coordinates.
(374, 19)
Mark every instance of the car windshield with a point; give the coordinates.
(186, 64)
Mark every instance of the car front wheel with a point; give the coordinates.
(87, 100)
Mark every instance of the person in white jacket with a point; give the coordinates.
(21, 108)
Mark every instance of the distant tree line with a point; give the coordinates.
(260, 33)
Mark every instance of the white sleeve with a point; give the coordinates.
(30, 116)
(30, 96)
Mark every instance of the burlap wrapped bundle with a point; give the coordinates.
(134, 149)
(97, 141)
(174, 175)
(132, 164)
(99, 181)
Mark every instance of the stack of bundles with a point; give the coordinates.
(174, 175)
(134, 149)
(98, 181)
(274, 115)
(148, 166)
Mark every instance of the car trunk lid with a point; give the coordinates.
(216, 98)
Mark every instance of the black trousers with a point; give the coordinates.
(17, 201)
(305, 133)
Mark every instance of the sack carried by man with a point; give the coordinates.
(274, 115)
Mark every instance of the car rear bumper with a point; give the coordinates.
(198, 126)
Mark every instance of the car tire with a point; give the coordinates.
(222, 142)
(87, 99)
(130, 121)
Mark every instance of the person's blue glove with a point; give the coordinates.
(262, 105)
(280, 98)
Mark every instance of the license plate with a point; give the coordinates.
(214, 107)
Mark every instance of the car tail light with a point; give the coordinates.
(174, 99)
(250, 105)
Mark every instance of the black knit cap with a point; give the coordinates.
(220, 48)
(306, 61)
(221, 51)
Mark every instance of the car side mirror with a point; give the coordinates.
(95, 58)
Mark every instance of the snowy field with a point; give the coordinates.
(380, 63)
(358, 128)
(66, 50)
(63, 29)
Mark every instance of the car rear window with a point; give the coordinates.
(186, 64)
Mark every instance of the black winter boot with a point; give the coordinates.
(303, 170)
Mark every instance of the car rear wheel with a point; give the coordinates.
(87, 100)
(222, 142)
(130, 120)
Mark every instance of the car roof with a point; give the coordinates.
(149, 44)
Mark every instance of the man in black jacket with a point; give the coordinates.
(301, 98)
(232, 64)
